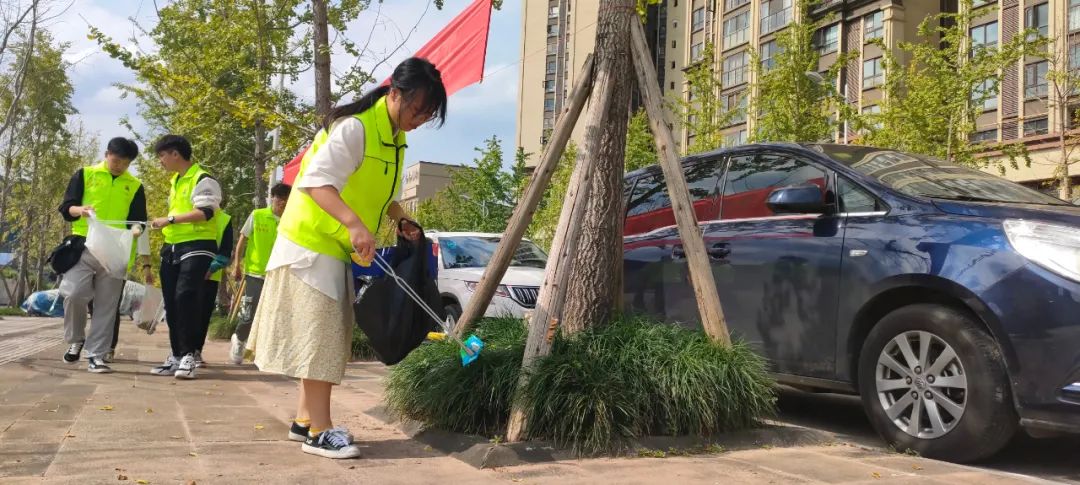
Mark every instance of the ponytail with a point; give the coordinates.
(356, 107)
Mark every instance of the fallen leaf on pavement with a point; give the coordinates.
(69, 435)
(875, 475)
(193, 454)
(142, 482)
(121, 477)
(176, 437)
(149, 411)
(106, 408)
(259, 426)
(916, 467)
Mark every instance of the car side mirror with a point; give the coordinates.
(797, 199)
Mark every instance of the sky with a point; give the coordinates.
(475, 113)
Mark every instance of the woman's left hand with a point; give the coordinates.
(409, 229)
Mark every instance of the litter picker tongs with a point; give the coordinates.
(470, 348)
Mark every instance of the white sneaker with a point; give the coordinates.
(332, 443)
(236, 351)
(166, 369)
(186, 370)
(199, 363)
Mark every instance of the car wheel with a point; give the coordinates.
(453, 312)
(934, 382)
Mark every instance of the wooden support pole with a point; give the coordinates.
(545, 318)
(526, 207)
(708, 300)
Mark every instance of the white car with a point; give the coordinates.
(463, 258)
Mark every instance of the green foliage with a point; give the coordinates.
(361, 346)
(479, 199)
(640, 144)
(598, 388)
(932, 100)
(546, 219)
(790, 105)
(432, 387)
(221, 328)
(11, 312)
(704, 113)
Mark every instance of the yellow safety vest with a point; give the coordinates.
(180, 203)
(368, 191)
(264, 227)
(111, 197)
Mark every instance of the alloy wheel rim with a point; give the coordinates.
(921, 384)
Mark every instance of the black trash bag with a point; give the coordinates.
(393, 322)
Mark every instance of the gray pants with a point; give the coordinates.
(249, 302)
(82, 283)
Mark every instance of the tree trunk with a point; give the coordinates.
(596, 278)
(260, 165)
(322, 58)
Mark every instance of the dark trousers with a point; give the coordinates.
(183, 278)
(210, 292)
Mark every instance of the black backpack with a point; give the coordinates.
(67, 254)
(394, 324)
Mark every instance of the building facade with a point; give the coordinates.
(678, 30)
(423, 180)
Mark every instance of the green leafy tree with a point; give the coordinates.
(480, 198)
(640, 144)
(1063, 79)
(789, 103)
(546, 219)
(704, 113)
(931, 102)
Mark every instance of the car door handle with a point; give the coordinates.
(719, 250)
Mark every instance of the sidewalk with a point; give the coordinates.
(61, 424)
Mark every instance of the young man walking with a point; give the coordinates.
(190, 245)
(108, 192)
(253, 248)
(213, 278)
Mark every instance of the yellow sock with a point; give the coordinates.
(305, 422)
(313, 432)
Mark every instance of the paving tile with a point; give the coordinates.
(808, 464)
(147, 430)
(233, 423)
(20, 459)
(30, 431)
(104, 461)
(9, 413)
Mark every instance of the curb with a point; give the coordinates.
(481, 452)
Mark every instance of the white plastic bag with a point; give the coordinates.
(110, 246)
(151, 310)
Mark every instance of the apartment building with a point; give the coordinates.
(422, 180)
(680, 29)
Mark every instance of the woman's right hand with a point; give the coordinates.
(363, 242)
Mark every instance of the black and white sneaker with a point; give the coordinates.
(332, 443)
(73, 352)
(97, 366)
(166, 369)
(300, 433)
(186, 369)
(198, 359)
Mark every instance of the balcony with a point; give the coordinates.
(825, 6)
(776, 21)
(732, 4)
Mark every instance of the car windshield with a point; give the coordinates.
(476, 251)
(929, 177)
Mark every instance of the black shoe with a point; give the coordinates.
(97, 366)
(332, 443)
(73, 352)
(298, 433)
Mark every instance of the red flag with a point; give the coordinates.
(459, 49)
(292, 169)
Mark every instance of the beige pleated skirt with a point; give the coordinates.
(300, 332)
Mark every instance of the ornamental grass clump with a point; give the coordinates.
(596, 391)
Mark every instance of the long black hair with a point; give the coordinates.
(414, 76)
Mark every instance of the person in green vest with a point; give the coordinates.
(252, 252)
(108, 192)
(191, 234)
(213, 277)
(348, 183)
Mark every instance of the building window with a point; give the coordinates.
(553, 30)
(735, 139)
(737, 30)
(736, 104)
(549, 104)
(871, 112)
(1074, 57)
(1074, 15)
(1038, 18)
(696, 52)
(873, 73)
(1036, 127)
(551, 67)
(985, 36)
(874, 25)
(986, 91)
(553, 12)
(549, 86)
(549, 123)
(1035, 85)
(730, 4)
(775, 15)
(769, 50)
(698, 19)
(982, 3)
(552, 48)
(984, 136)
(827, 39)
(735, 69)
(673, 44)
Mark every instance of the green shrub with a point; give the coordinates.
(11, 312)
(361, 346)
(220, 327)
(596, 390)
